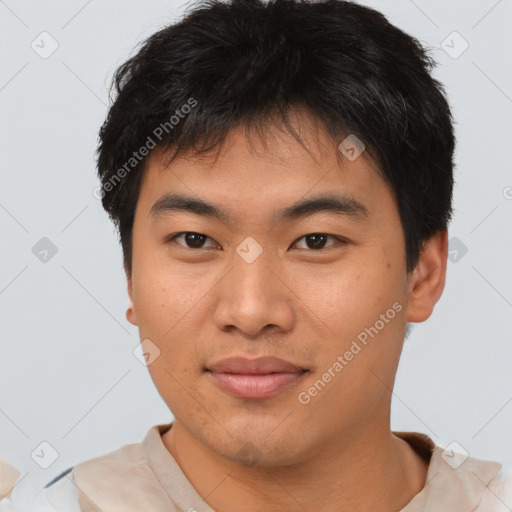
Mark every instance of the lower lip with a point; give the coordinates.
(251, 386)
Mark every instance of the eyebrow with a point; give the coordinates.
(343, 205)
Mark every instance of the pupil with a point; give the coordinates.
(318, 241)
(194, 239)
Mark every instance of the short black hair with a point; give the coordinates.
(250, 62)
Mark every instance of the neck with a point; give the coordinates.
(371, 470)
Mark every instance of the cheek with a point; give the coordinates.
(170, 304)
(165, 291)
(361, 311)
(153, 301)
(350, 294)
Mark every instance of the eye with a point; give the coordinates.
(317, 241)
(192, 240)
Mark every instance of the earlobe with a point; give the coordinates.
(130, 312)
(426, 283)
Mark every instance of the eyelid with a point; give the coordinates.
(339, 240)
(172, 238)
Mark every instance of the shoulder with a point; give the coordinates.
(60, 496)
(64, 493)
(124, 462)
(120, 480)
(129, 453)
(498, 495)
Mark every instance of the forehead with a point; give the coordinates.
(249, 175)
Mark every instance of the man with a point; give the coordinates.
(281, 176)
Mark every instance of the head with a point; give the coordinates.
(281, 177)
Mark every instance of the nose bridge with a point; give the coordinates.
(252, 297)
(252, 279)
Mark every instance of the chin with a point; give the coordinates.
(255, 447)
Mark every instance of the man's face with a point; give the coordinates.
(333, 306)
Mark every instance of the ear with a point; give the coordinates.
(426, 281)
(130, 312)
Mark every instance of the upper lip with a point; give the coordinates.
(260, 365)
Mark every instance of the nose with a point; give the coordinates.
(254, 297)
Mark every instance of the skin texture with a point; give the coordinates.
(295, 302)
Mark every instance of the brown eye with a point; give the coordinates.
(317, 241)
(191, 240)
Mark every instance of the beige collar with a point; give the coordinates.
(145, 476)
(449, 486)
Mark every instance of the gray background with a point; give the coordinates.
(68, 375)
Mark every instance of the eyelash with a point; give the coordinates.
(341, 241)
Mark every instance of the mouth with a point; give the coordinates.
(255, 379)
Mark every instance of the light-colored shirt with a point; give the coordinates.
(144, 477)
(8, 477)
